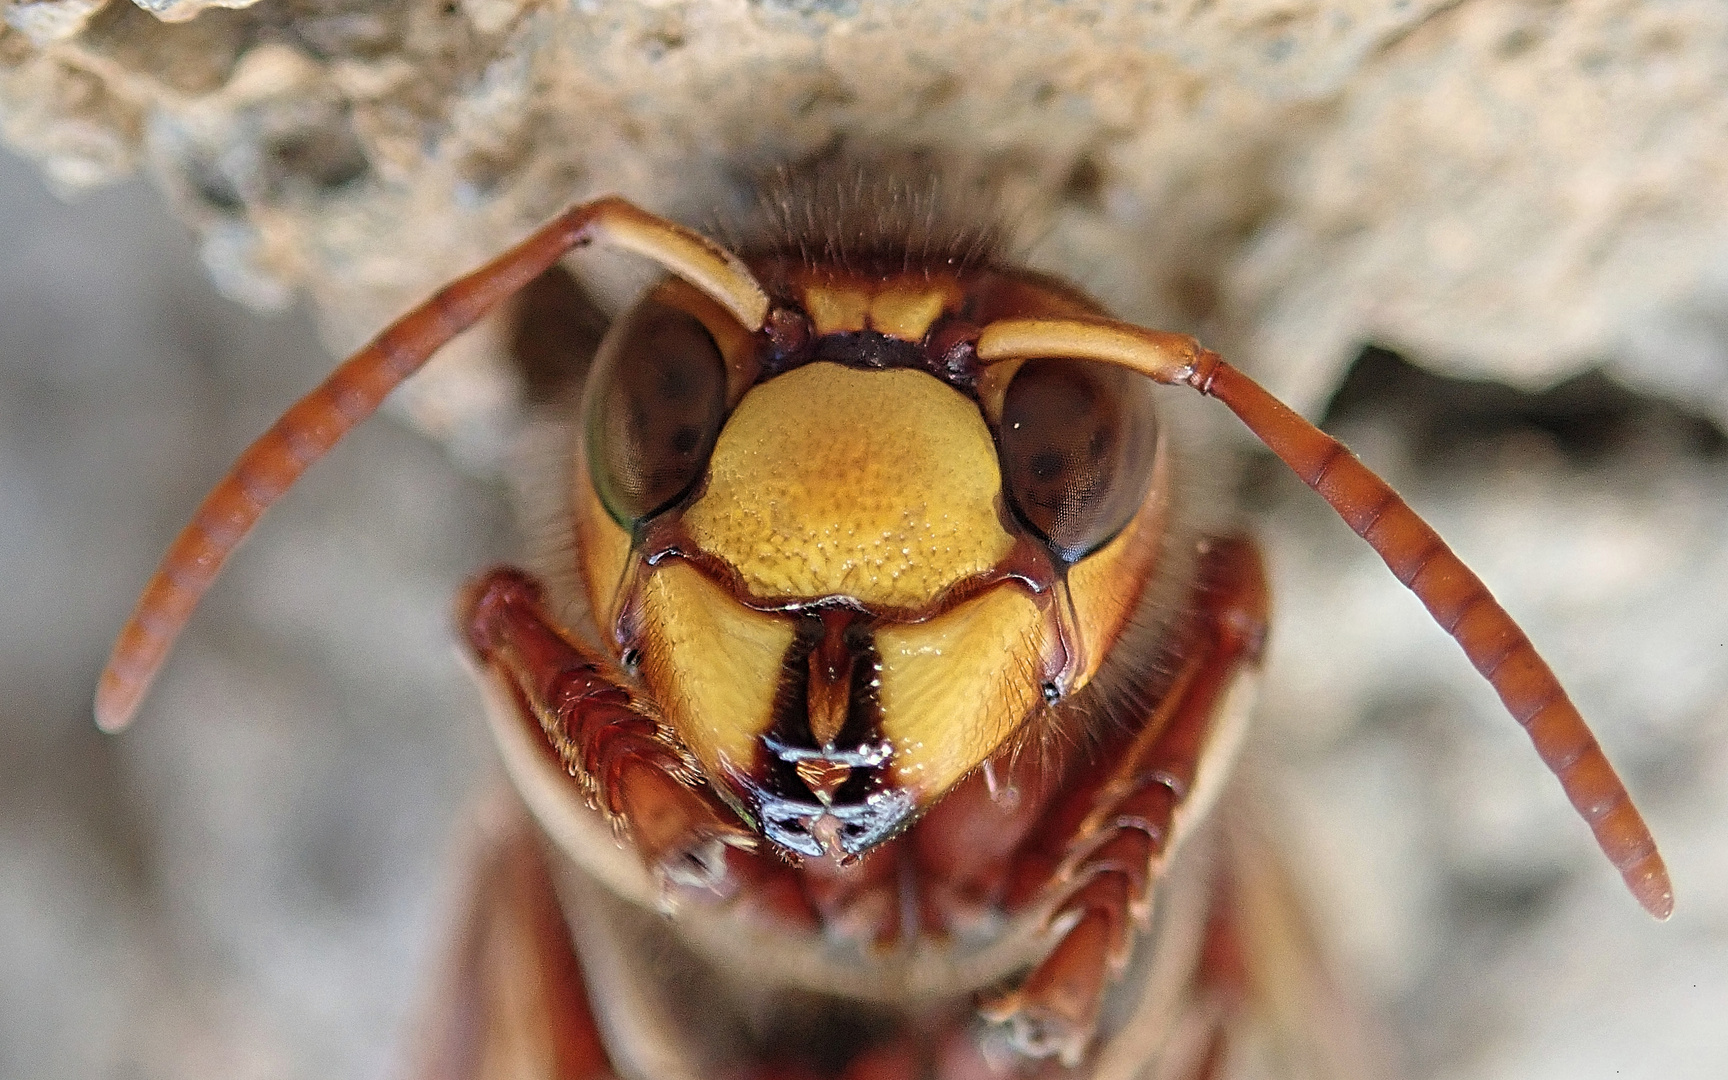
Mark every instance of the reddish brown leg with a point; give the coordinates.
(611, 746)
(1222, 981)
(1103, 848)
(510, 1000)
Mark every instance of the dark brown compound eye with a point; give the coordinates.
(1078, 442)
(656, 399)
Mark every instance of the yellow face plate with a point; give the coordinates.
(953, 688)
(712, 664)
(880, 486)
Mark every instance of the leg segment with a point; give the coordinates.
(613, 748)
(1102, 848)
(510, 1000)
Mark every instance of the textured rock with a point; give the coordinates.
(1516, 190)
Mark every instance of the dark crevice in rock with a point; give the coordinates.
(1588, 418)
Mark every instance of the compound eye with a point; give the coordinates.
(656, 401)
(1078, 441)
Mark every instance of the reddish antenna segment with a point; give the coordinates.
(1412, 550)
(353, 392)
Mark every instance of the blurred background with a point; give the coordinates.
(252, 881)
(247, 884)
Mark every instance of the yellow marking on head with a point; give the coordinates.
(880, 486)
(836, 308)
(954, 688)
(902, 307)
(711, 663)
(906, 307)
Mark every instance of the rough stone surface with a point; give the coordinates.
(1511, 189)
(248, 883)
